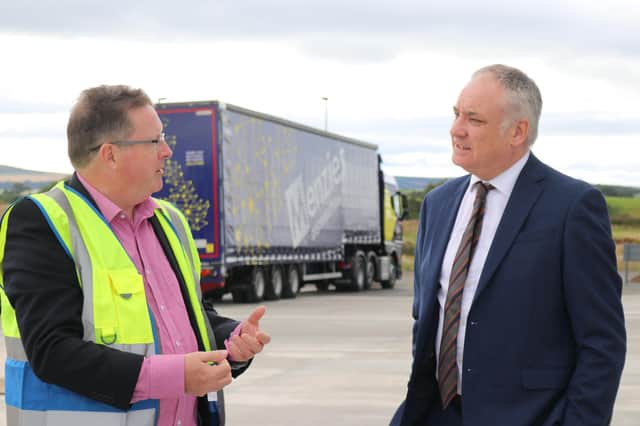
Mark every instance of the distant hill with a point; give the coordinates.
(408, 183)
(619, 191)
(8, 171)
(33, 179)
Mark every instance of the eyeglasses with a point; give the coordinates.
(154, 142)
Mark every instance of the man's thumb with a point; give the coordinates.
(256, 315)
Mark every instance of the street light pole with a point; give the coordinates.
(326, 112)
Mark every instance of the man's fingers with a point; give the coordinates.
(239, 351)
(222, 369)
(213, 356)
(200, 377)
(251, 339)
(251, 343)
(263, 338)
(220, 375)
(256, 315)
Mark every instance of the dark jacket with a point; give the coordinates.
(545, 339)
(41, 284)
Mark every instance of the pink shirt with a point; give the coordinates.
(161, 376)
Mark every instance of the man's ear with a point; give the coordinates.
(107, 155)
(520, 132)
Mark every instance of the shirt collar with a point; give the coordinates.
(110, 210)
(506, 180)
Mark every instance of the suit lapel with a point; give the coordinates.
(526, 191)
(440, 226)
(446, 216)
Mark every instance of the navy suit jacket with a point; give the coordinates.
(545, 339)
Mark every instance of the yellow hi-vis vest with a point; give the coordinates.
(115, 312)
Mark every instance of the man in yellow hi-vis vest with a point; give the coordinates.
(101, 304)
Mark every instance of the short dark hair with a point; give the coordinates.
(100, 112)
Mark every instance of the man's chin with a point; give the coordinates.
(462, 163)
(156, 190)
(458, 160)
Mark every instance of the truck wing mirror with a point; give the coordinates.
(400, 205)
(405, 206)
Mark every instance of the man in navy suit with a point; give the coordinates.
(537, 336)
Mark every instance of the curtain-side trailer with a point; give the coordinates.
(274, 205)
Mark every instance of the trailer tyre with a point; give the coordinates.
(393, 273)
(292, 283)
(214, 295)
(358, 272)
(273, 289)
(370, 271)
(238, 296)
(256, 290)
(322, 286)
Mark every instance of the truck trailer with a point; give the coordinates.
(274, 205)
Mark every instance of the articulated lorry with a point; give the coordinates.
(275, 205)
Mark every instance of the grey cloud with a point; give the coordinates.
(348, 49)
(389, 130)
(32, 133)
(357, 30)
(399, 135)
(598, 173)
(585, 125)
(15, 106)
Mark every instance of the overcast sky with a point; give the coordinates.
(391, 70)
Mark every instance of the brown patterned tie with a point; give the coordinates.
(447, 366)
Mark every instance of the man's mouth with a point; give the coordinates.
(461, 147)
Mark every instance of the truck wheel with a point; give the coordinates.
(370, 270)
(255, 293)
(393, 272)
(292, 283)
(322, 286)
(214, 295)
(238, 296)
(273, 290)
(358, 272)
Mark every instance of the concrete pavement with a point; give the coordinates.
(343, 359)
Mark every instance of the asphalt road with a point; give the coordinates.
(343, 359)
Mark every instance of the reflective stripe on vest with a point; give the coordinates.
(124, 323)
(179, 225)
(9, 324)
(54, 417)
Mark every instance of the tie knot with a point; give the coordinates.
(482, 188)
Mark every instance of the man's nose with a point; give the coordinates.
(165, 150)
(457, 128)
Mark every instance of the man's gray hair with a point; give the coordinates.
(523, 96)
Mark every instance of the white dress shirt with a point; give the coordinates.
(496, 202)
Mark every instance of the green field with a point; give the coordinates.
(625, 212)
